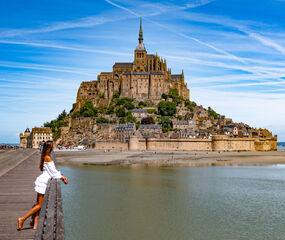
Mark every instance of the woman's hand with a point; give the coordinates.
(64, 179)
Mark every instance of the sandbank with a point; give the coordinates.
(169, 158)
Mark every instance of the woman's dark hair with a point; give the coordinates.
(47, 149)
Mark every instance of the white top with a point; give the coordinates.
(49, 171)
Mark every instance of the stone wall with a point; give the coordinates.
(224, 143)
(179, 144)
(111, 145)
(217, 143)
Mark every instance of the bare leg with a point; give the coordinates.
(35, 209)
(36, 220)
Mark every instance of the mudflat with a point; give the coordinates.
(169, 158)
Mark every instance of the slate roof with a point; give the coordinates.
(123, 64)
(139, 111)
(126, 127)
(143, 73)
(150, 126)
(181, 122)
(176, 76)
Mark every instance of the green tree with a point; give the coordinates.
(173, 93)
(102, 120)
(116, 94)
(151, 111)
(73, 107)
(164, 96)
(166, 108)
(142, 104)
(130, 117)
(166, 124)
(120, 112)
(88, 110)
(110, 109)
(129, 105)
(190, 104)
(213, 113)
(56, 124)
(122, 120)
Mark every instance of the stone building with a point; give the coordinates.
(177, 124)
(139, 114)
(145, 79)
(125, 131)
(150, 130)
(25, 139)
(33, 139)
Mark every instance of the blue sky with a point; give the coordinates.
(232, 53)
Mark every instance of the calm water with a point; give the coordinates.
(206, 203)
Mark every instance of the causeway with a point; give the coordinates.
(18, 171)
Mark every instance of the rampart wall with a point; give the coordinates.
(217, 143)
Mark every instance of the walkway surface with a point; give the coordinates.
(18, 171)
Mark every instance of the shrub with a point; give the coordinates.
(166, 108)
(166, 124)
(55, 125)
(190, 104)
(147, 120)
(122, 120)
(73, 107)
(142, 104)
(164, 96)
(130, 118)
(129, 105)
(102, 120)
(120, 112)
(110, 109)
(151, 111)
(213, 113)
(116, 95)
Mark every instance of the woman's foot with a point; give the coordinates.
(20, 224)
(35, 226)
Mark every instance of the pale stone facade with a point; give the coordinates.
(145, 79)
(33, 139)
(40, 135)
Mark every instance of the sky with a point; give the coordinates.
(232, 53)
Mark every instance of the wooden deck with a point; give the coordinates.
(18, 171)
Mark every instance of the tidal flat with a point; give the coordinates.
(168, 158)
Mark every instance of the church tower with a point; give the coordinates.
(140, 53)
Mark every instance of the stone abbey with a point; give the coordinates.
(144, 79)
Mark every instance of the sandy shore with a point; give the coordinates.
(166, 158)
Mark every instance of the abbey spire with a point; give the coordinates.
(141, 32)
(140, 46)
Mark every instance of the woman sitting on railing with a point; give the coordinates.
(49, 171)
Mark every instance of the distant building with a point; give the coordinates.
(187, 133)
(150, 130)
(33, 139)
(140, 113)
(180, 124)
(124, 131)
(25, 139)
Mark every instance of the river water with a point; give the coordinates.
(193, 203)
